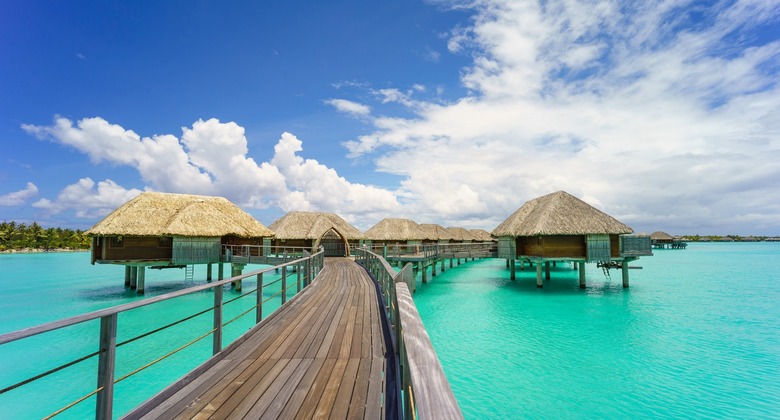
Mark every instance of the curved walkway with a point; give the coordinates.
(322, 355)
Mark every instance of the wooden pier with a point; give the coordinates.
(323, 355)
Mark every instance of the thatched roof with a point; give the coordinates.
(312, 225)
(460, 234)
(661, 236)
(394, 230)
(559, 213)
(434, 232)
(480, 235)
(164, 214)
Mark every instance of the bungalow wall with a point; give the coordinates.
(296, 243)
(552, 246)
(131, 248)
(196, 250)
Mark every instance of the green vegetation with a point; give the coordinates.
(17, 236)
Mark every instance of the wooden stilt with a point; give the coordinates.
(450, 262)
(220, 271)
(507, 263)
(442, 265)
(539, 274)
(133, 277)
(236, 270)
(141, 280)
(127, 275)
(424, 270)
(625, 273)
(512, 274)
(208, 272)
(582, 274)
(547, 270)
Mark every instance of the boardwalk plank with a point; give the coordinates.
(322, 356)
(346, 387)
(357, 406)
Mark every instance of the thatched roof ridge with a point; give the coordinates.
(392, 229)
(434, 232)
(661, 236)
(480, 235)
(559, 213)
(460, 234)
(166, 214)
(312, 225)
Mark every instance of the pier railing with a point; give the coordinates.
(306, 269)
(425, 391)
(432, 251)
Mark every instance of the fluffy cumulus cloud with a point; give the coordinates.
(20, 197)
(659, 112)
(211, 158)
(89, 199)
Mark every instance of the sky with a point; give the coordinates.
(663, 114)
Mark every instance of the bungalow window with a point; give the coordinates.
(116, 242)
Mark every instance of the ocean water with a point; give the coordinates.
(40, 288)
(697, 335)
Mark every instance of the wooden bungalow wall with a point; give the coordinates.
(131, 248)
(196, 250)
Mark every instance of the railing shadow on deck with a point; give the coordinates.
(306, 267)
(425, 391)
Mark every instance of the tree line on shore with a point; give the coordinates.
(18, 236)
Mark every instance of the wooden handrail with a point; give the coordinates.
(422, 377)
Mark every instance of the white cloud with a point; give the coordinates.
(320, 187)
(17, 198)
(211, 158)
(89, 200)
(349, 107)
(660, 120)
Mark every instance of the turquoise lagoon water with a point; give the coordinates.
(40, 288)
(697, 335)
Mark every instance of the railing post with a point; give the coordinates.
(284, 283)
(259, 312)
(106, 363)
(217, 337)
(307, 268)
(298, 272)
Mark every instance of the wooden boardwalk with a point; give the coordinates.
(323, 356)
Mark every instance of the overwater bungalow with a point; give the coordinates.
(311, 229)
(460, 235)
(481, 235)
(434, 233)
(393, 231)
(663, 240)
(163, 230)
(561, 227)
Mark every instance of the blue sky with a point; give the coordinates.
(663, 114)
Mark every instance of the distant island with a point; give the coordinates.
(20, 237)
(727, 238)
